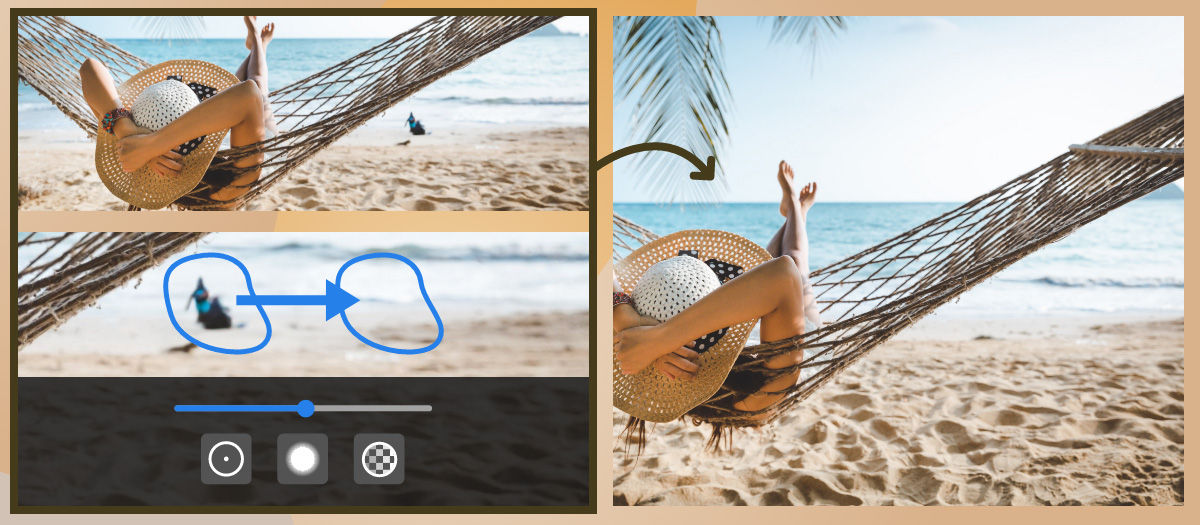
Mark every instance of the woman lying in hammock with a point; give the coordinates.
(777, 292)
(243, 109)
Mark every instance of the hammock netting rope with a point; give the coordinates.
(62, 273)
(310, 114)
(868, 297)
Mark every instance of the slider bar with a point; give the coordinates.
(373, 408)
(304, 408)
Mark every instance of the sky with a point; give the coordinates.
(899, 109)
(288, 26)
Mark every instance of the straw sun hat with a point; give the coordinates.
(155, 97)
(666, 276)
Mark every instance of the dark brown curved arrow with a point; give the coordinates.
(705, 171)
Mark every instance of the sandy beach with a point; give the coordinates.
(1032, 411)
(547, 344)
(467, 168)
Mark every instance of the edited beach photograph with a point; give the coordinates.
(286, 370)
(302, 113)
(412, 304)
(940, 262)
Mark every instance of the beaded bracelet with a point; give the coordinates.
(110, 119)
(622, 298)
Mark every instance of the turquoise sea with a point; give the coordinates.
(534, 80)
(1129, 261)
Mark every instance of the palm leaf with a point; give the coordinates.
(168, 27)
(673, 70)
(809, 31)
(805, 29)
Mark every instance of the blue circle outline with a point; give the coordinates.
(424, 295)
(249, 288)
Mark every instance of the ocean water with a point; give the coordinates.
(477, 273)
(531, 81)
(1127, 262)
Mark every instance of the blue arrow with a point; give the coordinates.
(336, 300)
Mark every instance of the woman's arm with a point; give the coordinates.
(100, 92)
(679, 364)
(624, 314)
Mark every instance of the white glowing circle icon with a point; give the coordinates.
(302, 459)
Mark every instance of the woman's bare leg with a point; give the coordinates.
(794, 229)
(775, 245)
(796, 247)
(786, 200)
(254, 67)
(793, 243)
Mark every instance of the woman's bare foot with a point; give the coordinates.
(267, 33)
(807, 196)
(252, 30)
(785, 183)
(136, 151)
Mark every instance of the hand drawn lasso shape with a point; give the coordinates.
(424, 295)
(266, 321)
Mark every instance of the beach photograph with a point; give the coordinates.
(959, 243)
(503, 305)
(358, 113)
(467, 353)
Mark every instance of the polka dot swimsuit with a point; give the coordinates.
(725, 271)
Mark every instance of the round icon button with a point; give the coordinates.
(379, 459)
(226, 459)
(302, 459)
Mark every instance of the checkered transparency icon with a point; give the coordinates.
(379, 459)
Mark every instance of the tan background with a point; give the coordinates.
(297, 221)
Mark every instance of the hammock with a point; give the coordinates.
(67, 272)
(311, 113)
(869, 296)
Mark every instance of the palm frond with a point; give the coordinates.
(809, 31)
(168, 27)
(673, 68)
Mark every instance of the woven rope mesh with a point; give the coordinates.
(869, 296)
(311, 113)
(59, 274)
